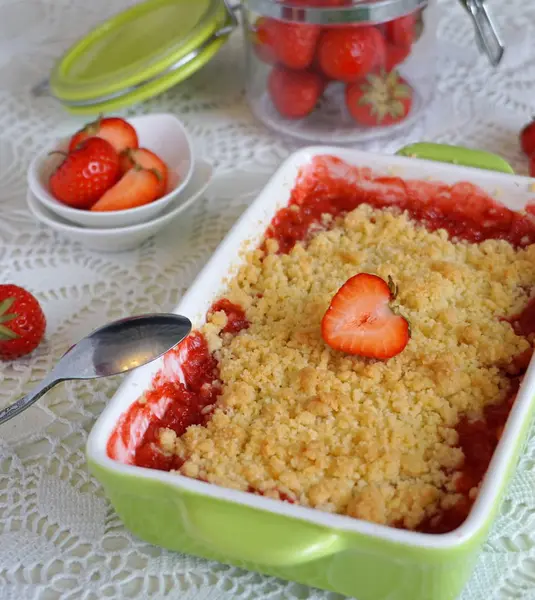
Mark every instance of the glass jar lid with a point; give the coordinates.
(365, 11)
(140, 52)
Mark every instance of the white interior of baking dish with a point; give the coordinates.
(512, 191)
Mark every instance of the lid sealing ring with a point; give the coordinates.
(375, 12)
(43, 88)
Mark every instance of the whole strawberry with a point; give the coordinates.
(290, 44)
(527, 138)
(294, 93)
(22, 322)
(401, 31)
(395, 55)
(85, 174)
(350, 53)
(380, 99)
(118, 132)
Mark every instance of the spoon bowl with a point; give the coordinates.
(116, 348)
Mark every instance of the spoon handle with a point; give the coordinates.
(26, 401)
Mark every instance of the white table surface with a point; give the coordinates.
(59, 538)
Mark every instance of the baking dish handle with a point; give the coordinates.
(457, 155)
(240, 532)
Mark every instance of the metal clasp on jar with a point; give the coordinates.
(487, 36)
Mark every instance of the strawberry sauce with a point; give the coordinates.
(524, 323)
(180, 396)
(183, 391)
(478, 440)
(330, 186)
(236, 319)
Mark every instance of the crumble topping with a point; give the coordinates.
(365, 438)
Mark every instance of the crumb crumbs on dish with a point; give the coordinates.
(369, 439)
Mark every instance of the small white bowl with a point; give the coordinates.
(124, 238)
(164, 134)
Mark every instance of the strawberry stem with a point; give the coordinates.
(157, 173)
(94, 126)
(392, 287)
(64, 154)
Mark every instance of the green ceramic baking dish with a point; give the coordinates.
(334, 552)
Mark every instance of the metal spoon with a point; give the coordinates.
(116, 348)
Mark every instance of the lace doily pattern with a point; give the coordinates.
(59, 538)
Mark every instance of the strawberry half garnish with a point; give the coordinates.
(360, 320)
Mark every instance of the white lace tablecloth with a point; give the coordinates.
(59, 538)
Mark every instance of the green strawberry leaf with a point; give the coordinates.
(6, 334)
(402, 91)
(8, 317)
(6, 304)
(397, 108)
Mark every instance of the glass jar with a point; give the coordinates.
(339, 71)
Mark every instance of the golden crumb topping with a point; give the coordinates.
(365, 438)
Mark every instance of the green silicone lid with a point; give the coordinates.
(140, 53)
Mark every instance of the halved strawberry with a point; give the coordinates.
(360, 321)
(138, 187)
(131, 157)
(118, 132)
